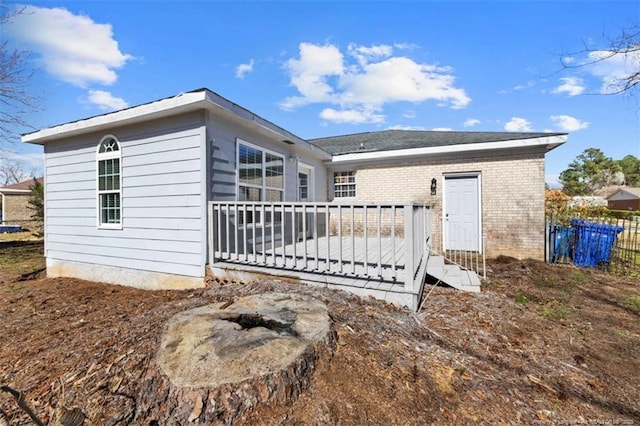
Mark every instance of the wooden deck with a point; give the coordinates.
(370, 250)
(378, 259)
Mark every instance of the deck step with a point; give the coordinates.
(452, 275)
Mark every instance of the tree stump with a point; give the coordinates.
(218, 362)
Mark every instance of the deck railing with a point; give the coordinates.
(468, 259)
(375, 241)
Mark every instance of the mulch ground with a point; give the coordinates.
(541, 344)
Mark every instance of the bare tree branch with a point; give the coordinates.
(625, 46)
(12, 171)
(15, 74)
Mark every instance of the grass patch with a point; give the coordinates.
(632, 302)
(554, 311)
(623, 333)
(577, 277)
(521, 299)
(554, 314)
(19, 257)
(20, 236)
(549, 282)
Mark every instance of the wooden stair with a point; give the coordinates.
(452, 275)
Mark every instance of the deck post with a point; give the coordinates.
(409, 248)
(211, 233)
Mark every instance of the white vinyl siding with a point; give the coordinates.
(162, 200)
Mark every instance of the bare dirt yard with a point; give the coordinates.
(541, 344)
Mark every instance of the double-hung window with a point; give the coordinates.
(260, 174)
(344, 184)
(109, 183)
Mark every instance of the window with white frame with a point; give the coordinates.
(260, 174)
(344, 184)
(109, 183)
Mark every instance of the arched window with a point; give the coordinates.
(109, 183)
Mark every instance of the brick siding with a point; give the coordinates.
(512, 196)
(16, 210)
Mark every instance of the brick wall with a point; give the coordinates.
(16, 210)
(624, 204)
(512, 196)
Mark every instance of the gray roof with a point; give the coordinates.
(629, 190)
(389, 140)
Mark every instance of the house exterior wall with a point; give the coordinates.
(222, 137)
(512, 194)
(163, 198)
(628, 204)
(16, 211)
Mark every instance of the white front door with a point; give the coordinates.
(461, 213)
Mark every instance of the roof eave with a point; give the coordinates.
(549, 142)
(184, 102)
(202, 99)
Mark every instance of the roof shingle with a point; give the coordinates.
(388, 140)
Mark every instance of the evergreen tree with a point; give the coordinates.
(591, 170)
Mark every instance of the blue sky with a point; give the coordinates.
(327, 68)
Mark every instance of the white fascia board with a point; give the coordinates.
(14, 191)
(183, 102)
(550, 141)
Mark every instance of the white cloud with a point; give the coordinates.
(612, 68)
(409, 114)
(364, 54)
(243, 69)
(351, 116)
(470, 122)
(442, 129)
(73, 48)
(528, 85)
(401, 79)
(566, 123)
(572, 86)
(309, 74)
(322, 74)
(105, 100)
(405, 46)
(518, 124)
(402, 127)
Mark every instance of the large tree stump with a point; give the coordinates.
(218, 362)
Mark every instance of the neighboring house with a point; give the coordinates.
(161, 194)
(625, 198)
(15, 203)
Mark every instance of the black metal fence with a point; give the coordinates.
(605, 243)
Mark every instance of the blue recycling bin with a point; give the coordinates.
(594, 242)
(562, 239)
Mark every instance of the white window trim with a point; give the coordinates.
(310, 184)
(333, 186)
(263, 188)
(108, 156)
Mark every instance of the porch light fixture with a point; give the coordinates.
(434, 186)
